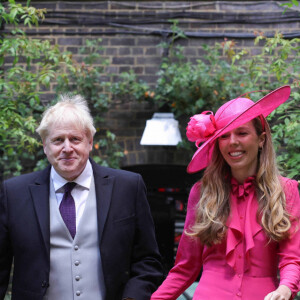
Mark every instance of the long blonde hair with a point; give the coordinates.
(213, 208)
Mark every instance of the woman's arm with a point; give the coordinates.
(188, 261)
(289, 249)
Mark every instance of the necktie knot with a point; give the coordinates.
(69, 186)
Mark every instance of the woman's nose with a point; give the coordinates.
(233, 139)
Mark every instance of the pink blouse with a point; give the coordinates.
(245, 264)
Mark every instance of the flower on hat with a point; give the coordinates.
(201, 127)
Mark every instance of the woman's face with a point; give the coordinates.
(239, 148)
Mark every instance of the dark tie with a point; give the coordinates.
(67, 208)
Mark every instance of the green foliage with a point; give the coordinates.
(186, 88)
(290, 4)
(106, 151)
(189, 88)
(224, 73)
(31, 67)
(278, 64)
(17, 13)
(129, 87)
(19, 94)
(87, 79)
(286, 135)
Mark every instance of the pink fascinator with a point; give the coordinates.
(206, 128)
(201, 127)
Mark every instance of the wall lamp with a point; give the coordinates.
(161, 130)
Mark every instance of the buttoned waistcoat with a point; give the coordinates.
(75, 265)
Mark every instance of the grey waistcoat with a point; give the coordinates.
(75, 265)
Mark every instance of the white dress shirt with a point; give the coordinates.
(80, 191)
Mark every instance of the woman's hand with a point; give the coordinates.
(282, 293)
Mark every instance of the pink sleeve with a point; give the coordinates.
(188, 261)
(289, 249)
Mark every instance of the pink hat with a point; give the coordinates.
(206, 127)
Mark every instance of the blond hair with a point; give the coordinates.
(69, 109)
(213, 208)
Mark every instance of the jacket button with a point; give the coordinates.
(44, 284)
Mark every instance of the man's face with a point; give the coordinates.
(67, 148)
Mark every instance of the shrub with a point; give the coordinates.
(35, 65)
(223, 74)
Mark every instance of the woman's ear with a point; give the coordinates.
(262, 139)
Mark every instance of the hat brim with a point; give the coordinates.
(263, 106)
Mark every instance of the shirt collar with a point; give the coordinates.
(84, 179)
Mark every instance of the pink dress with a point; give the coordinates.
(244, 266)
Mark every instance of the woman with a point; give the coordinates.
(242, 217)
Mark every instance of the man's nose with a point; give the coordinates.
(67, 146)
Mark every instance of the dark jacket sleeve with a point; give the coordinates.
(146, 271)
(5, 246)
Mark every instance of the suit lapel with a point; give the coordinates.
(40, 196)
(104, 187)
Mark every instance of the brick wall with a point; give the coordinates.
(131, 30)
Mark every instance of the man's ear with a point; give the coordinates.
(44, 147)
(91, 141)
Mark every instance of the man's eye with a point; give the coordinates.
(57, 140)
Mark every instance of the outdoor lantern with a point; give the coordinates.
(162, 130)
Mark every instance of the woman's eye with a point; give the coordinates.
(242, 133)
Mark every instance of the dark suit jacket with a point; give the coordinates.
(129, 252)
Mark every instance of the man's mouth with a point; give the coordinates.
(66, 158)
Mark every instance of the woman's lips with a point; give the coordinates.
(236, 153)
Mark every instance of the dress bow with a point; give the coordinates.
(242, 190)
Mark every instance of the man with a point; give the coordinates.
(76, 230)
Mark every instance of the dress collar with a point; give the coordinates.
(242, 190)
